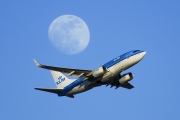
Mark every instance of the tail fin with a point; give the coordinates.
(60, 79)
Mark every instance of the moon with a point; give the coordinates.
(69, 34)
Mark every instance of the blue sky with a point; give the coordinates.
(116, 27)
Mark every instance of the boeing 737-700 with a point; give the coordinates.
(107, 74)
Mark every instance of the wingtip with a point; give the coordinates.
(37, 63)
(36, 88)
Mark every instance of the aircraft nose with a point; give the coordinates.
(143, 54)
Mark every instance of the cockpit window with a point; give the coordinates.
(136, 51)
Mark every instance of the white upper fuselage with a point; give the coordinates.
(114, 68)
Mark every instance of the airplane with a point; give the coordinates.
(107, 74)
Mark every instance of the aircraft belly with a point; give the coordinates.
(109, 75)
(80, 88)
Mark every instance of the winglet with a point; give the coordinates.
(37, 63)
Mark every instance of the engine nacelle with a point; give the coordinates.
(126, 78)
(99, 72)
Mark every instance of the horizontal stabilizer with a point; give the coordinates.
(52, 90)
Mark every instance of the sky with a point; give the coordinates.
(115, 27)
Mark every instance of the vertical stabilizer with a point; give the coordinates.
(60, 79)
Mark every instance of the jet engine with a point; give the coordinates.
(99, 72)
(126, 78)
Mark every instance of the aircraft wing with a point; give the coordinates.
(115, 83)
(68, 71)
(127, 85)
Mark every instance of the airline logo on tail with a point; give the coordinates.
(60, 80)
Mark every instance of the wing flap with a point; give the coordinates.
(52, 90)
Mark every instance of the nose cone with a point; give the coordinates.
(143, 54)
(140, 56)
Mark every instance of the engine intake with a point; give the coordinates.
(99, 72)
(126, 78)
